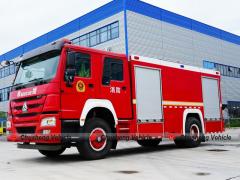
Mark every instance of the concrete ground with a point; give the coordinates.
(212, 160)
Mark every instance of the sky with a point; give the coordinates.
(24, 20)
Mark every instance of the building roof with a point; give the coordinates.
(115, 7)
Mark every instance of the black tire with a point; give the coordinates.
(86, 147)
(190, 140)
(149, 142)
(180, 142)
(52, 154)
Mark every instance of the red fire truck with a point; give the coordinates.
(70, 96)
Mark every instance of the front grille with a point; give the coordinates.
(26, 115)
(30, 106)
(26, 130)
(33, 104)
(28, 99)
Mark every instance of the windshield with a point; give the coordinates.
(42, 67)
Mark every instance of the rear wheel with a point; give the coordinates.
(180, 142)
(52, 154)
(96, 143)
(193, 134)
(149, 143)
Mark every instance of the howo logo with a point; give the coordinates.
(28, 93)
(24, 108)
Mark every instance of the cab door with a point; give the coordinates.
(115, 85)
(84, 86)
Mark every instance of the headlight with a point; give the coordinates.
(9, 124)
(9, 117)
(49, 121)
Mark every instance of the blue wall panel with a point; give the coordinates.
(206, 29)
(148, 9)
(176, 19)
(64, 30)
(230, 37)
(14, 53)
(35, 43)
(101, 13)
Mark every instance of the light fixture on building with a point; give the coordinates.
(109, 49)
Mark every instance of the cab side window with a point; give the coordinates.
(83, 65)
(112, 70)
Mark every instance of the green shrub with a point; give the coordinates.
(234, 122)
(3, 114)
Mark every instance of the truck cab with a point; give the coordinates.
(59, 88)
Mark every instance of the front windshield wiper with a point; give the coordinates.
(18, 84)
(36, 79)
(21, 85)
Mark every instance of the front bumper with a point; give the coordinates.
(66, 132)
(54, 147)
(31, 131)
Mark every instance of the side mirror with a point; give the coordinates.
(69, 76)
(71, 59)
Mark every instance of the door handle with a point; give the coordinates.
(90, 85)
(124, 88)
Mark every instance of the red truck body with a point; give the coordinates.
(119, 102)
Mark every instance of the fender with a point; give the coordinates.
(192, 111)
(93, 103)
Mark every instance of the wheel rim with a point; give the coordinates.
(194, 132)
(98, 139)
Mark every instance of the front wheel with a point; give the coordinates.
(96, 142)
(52, 154)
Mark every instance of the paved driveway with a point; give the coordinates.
(212, 160)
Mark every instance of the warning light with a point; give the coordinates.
(136, 57)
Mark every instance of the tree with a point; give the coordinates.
(3, 114)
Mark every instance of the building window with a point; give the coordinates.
(83, 40)
(98, 36)
(12, 69)
(4, 94)
(104, 34)
(225, 70)
(208, 65)
(7, 71)
(234, 109)
(114, 31)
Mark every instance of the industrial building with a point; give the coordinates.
(135, 27)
